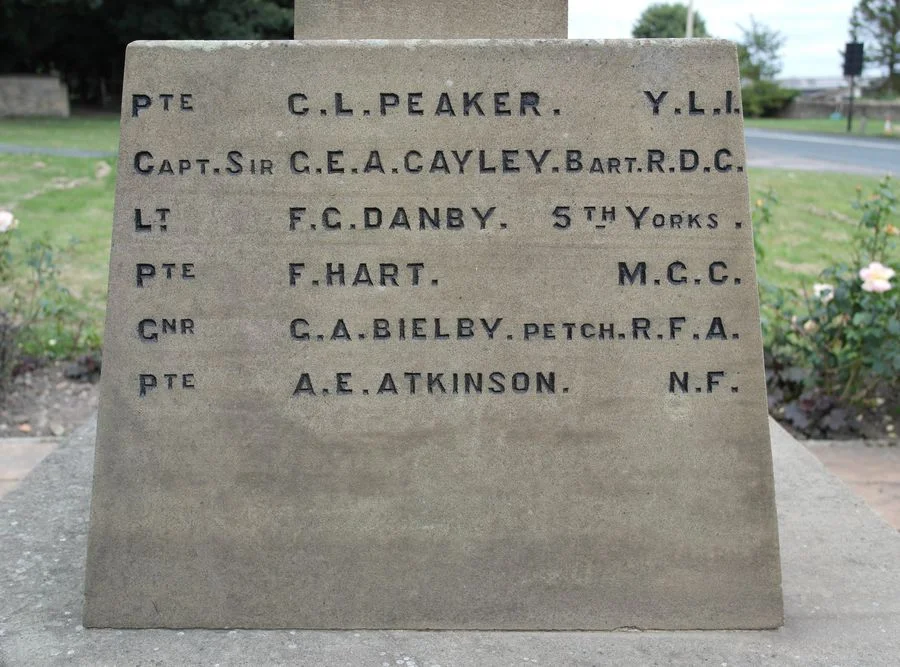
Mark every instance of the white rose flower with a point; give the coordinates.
(876, 277)
(824, 292)
(7, 222)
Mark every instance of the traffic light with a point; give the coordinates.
(853, 59)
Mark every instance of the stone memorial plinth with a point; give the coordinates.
(400, 19)
(433, 334)
(841, 594)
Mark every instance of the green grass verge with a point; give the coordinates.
(813, 222)
(96, 132)
(100, 132)
(70, 202)
(874, 128)
(73, 198)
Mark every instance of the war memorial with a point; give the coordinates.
(434, 320)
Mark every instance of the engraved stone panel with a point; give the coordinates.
(433, 335)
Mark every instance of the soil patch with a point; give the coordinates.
(46, 402)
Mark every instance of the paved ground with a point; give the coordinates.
(873, 472)
(841, 586)
(19, 456)
(822, 152)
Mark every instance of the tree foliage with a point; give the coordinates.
(760, 52)
(759, 56)
(84, 40)
(877, 24)
(765, 99)
(667, 20)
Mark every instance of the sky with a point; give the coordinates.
(815, 30)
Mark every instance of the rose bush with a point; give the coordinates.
(836, 348)
(39, 316)
(7, 330)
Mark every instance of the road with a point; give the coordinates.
(822, 152)
(765, 148)
(17, 149)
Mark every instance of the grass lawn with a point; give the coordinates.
(874, 128)
(95, 132)
(812, 223)
(65, 200)
(73, 197)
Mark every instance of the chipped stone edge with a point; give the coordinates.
(216, 45)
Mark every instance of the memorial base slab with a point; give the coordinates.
(840, 575)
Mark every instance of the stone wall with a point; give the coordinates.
(33, 95)
(874, 110)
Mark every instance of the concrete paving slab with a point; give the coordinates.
(871, 470)
(840, 571)
(19, 456)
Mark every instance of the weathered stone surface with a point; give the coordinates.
(33, 95)
(615, 475)
(841, 594)
(404, 19)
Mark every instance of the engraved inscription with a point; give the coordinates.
(494, 215)
(433, 333)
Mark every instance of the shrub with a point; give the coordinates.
(762, 99)
(761, 215)
(839, 343)
(39, 316)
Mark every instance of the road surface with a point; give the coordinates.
(822, 152)
(17, 149)
(765, 148)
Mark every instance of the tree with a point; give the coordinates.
(759, 52)
(759, 56)
(877, 23)
(84, 40)
(667, 20)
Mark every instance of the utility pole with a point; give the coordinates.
(689, 29)
(853, 66)
(850, 107)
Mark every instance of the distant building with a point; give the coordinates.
(825, 86)
(825, 97)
